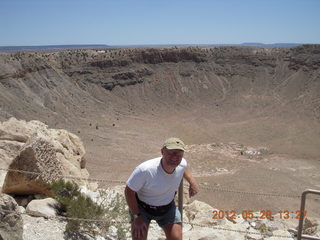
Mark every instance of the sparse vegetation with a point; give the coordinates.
(264, 150)
(263, 228)
(76, 205)
(117, 210)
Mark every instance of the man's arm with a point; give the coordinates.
(139, 228)
(131, 200)
(194, 187)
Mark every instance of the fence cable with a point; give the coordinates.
(250, 193)
(66, 177)
(127, 222)
(209, 188)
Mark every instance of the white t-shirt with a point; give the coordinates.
(153, 185)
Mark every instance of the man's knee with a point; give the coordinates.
(173, 231)
(174, 236)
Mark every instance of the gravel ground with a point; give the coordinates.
(39, 228)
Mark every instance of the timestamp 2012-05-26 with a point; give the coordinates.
(262, 214)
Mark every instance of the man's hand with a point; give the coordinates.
(193, 189)
(139, 228)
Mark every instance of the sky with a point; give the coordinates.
(148, 22)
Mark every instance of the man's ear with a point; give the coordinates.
(162, 150)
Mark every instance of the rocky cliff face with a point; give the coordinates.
(50, 82)
(76, 84)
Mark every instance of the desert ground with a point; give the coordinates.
(222, 101)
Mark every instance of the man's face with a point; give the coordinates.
(172, 157)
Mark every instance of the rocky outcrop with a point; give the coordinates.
(110, 63)
(11, 225)
(49, 152)
(155, 56)
(39, 156)
(312, 227)
(305, 57)
(127, 78)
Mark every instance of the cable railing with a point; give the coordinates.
(209, 188)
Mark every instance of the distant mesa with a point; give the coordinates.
(97, 46)
(50, 47)
(257, 44)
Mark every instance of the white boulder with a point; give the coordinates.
(43, 208)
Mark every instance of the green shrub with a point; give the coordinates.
(76, 205)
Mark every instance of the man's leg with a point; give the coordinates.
(173, 231)
(171, 224)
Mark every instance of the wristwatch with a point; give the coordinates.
(136, 215)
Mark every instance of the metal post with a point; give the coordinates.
(302, 207)
(180, 200)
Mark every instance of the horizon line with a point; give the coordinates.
(154, 44)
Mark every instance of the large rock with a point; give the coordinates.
(280, 234)
(10, 144)
(201, 213)
(311, 227)
(43, 207)
(10, 220)
(8, 151)
(51, 152)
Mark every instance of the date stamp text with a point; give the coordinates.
(262, 214)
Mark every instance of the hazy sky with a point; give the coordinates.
(129, 22)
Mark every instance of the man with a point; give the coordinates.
(151, 189)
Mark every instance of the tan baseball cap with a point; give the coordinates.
(174, 143)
